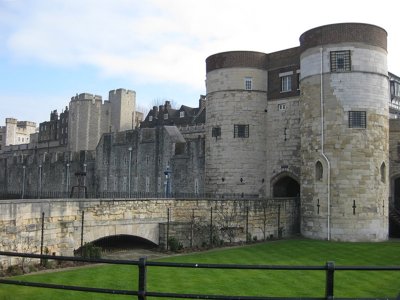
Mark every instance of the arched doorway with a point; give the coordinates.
(394, 211)
(286, 186)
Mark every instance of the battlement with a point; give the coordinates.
(86, 97)
(23, 124)
(121, 91)
(11, 121)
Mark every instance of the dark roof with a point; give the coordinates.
(165, 115)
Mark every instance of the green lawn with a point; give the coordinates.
(239, 282)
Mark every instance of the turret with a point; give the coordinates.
(344, 132)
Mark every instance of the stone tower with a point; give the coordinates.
(89, 118)
(344, 132)
(235, 125)
(123, 114)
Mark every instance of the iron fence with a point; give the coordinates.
(142, 291)
(19, 194)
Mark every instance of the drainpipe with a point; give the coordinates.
(322, 149)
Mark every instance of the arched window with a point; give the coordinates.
(383, 172)
(319, 171)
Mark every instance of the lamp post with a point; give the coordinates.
(129, 171)
(67, 180)
(23, 182)
(40, 182)
(84, 170)
(167, 174)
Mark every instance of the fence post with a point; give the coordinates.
(330, 269)
(41, 239)
(247, 225)
(211, 227)
(191, 230)
(82, 226)
(142, 278)
(168, 217)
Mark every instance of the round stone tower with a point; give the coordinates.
(344, 132)
(235, 141)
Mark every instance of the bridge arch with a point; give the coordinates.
(285, 184)
(123, 242)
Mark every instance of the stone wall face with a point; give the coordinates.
(358, 157)
(235, 164)
(21, 221)
(283, 158)
(394, 156)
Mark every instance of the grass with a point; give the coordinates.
(239, 282)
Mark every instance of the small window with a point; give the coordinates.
(150, 118)
(357, 119)
(319, 171)
(281, 106)
(165, 116)
(298, 80)
(340, 61)
(248, 83)
(216, 132)
(383, 172)
(286, 83)
(181, 114)
(241, 131)
(147, 184)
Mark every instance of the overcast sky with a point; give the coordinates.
(52, 49)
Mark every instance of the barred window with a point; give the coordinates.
(248, 83)
(241, 131)
(340, 61)
(216, 132)
(357, 119)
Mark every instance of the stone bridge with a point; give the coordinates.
(62, 225)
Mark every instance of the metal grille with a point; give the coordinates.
(340, 61)
(248, 83)
(241, 131)
(357, 119)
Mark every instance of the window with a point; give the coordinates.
(286, 83)
(340, 61)
(319, 171)
(241, 131)
(383, 172)
(357, 119)
(147, 184)
(165, 116)
(282, 106)
(216, 132)
(124, 183)
(196, 186)
(181, 114)
(298, 79)
(105, 184)
(248, 83)
(150, 118)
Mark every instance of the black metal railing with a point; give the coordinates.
(19, 194)
(142, 292)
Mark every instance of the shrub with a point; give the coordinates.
(174, 244)
(89, 250)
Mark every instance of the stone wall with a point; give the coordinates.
(21, 221)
